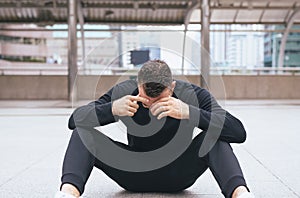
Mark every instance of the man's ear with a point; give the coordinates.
(140, 88)
(173, 85)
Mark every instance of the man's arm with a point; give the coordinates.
(96, 113)
(108, 108)
(211, 117)
(203, 112)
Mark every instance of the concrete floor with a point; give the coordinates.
(34, 136)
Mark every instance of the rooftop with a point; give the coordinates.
(171, 12)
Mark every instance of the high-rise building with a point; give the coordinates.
(272, 42)
(24, 46)
(218, 43)
(245, 48)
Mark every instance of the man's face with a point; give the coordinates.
(166, 93)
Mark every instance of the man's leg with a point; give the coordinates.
(80, 159)
(79, 162)
(77, 166)
(226, 169)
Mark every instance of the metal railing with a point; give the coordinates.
(255, 71)
(62, 69)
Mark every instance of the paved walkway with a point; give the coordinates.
(34, 136)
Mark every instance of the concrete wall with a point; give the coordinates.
(33, 87)
(262, 87)
(91, 87)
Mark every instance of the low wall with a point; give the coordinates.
(91, 87)
(262, 87)
(33, 87)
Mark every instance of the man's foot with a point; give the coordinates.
(246, 195)
(60, 194)
(242, 192)
(69, 189)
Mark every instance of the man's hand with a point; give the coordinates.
(127, 105)
(170, 106)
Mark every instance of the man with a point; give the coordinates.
(161, 156)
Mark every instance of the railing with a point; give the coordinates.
(62, 69)
(256, 70)
(32, 70)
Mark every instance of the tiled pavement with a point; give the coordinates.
(34, 136)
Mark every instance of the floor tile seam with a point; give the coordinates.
(35, 162)
(271, 172)
(33, 115)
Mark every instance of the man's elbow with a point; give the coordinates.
(71, 123)
(241, 134)
(242, 137)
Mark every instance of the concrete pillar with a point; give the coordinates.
(205, 59)
(194, 5)
(81, 22)
(72, 48)
(183, 50)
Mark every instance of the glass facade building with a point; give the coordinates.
(272, 42)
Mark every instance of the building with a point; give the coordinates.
(236, 46)
(272, 41)
(101, 46)
(245, 48)
(49, 45)
(139, 38)
(24, 46)
(219, 42)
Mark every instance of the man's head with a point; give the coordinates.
(155, 80)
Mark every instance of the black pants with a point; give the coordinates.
(177, 176)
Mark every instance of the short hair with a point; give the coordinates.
(154, 76)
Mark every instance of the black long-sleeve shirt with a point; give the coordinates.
(146, 133)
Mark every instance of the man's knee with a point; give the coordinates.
(220, 148)
(222, 145)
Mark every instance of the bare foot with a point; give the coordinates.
(70, 189)
(238, 191)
